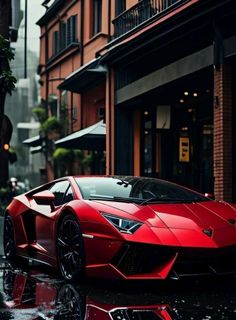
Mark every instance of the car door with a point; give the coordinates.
(45, 217)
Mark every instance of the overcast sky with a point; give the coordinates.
(35, 11)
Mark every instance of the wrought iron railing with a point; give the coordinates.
(139, 13)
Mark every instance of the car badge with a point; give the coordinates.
(208, 232)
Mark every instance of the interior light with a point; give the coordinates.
(195, 94)
(6, 146)
(190, 110)
(181, 100)
(186, 93)
(146, 113)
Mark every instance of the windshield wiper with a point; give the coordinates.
(134, 200)
(114, 198)
(100, 197)
(166, 199)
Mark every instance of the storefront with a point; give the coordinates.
(177, 143)
(172, 132)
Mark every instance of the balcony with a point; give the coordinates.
(140, 13)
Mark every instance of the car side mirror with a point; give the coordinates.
(45, 197)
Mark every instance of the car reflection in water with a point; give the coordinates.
(35, 297)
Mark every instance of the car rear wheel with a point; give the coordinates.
(70, 249)
(9, 238)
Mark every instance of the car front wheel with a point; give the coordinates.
(70, 249)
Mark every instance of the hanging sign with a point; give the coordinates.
(184, 149)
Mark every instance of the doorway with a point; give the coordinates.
(182, 153)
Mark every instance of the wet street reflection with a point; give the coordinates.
(36, 293)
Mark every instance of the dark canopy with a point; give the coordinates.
(90, 138)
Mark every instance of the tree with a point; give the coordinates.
(7, 80)
(5, 11)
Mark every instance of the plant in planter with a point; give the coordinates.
(40, 114)
(52, 128)
(64, 161)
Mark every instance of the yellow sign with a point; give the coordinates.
(184, 149)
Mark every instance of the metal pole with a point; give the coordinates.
(25, 47)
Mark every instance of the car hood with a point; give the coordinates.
(207, 214)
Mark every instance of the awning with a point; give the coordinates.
(90, 138)
(28, 125)
(34, 141)
(84, 78)
(34, 150)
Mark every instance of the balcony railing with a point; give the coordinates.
(139, 13)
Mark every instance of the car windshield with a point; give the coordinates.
(135, 189)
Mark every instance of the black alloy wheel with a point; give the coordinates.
(70, 249)
(9, 238)
(69, 304)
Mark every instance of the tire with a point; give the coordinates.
(9, 243)
(70, 249)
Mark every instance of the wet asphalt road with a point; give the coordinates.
(36, 292)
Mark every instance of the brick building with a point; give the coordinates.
(162, 72)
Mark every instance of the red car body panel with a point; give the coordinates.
(170, 229)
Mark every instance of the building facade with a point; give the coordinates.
(162, 72)
(70, 37)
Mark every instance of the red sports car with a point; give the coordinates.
(122, 228)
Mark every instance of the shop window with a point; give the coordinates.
(97, 17)
(120, 6)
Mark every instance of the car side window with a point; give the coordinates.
(68, 196)
(59, 189)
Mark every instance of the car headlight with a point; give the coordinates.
(123, 225)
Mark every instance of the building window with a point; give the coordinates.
(71, 30)
(55, 42)
(66, 35)
(62, 32)
(74, 114)
(120, 6)
(52, 103)
(97, 16)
